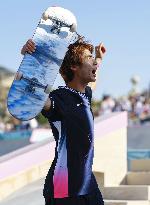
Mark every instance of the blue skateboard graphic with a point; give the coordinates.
(38, 71)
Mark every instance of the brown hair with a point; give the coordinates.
(73, 57)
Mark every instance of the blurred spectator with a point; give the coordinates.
(137, 106)
(30, 124)
(146, 107)
(117, 107)
(145, 115)
(8, 127)
(25, 125)
(125, 104)
(33, 123)
(2, 127)
(107, 105)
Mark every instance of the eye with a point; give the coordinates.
(90, 57)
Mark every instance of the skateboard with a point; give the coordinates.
(37, 72)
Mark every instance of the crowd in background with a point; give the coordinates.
(138, 107)
(17, 125)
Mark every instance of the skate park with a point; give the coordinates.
(121, 180)
(121, 161)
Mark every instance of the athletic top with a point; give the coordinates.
(72, 123)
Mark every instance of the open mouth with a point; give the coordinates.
(94, 72)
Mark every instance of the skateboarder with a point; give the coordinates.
(70, 180)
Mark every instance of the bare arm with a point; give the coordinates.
(99, 53)
(47, 105)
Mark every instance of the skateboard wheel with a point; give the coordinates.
(48, 89)
(45, 16)
(18, 76)
(73, 27)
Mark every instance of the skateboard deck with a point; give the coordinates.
(38, 71)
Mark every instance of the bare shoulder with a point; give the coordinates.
(47, 105)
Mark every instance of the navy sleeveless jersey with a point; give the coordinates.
(72, 123)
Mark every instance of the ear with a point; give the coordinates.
(74, 68)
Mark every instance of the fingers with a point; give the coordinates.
(30, 49)
(100, 48)
(30, 46)
(100, 51)
(31, 43)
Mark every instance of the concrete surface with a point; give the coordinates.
(31, 194)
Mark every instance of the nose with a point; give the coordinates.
(95, 62)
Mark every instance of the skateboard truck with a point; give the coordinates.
(33, 83)
(58, 24)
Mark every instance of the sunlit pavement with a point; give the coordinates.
(29, 195)
(7, 146)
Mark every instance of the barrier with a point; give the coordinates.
(15, 135)
(137, 154)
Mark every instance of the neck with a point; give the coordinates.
(77, 86)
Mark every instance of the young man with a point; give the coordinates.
(70, 180)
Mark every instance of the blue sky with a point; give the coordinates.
(123, 26)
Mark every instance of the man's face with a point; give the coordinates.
(87, 71)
